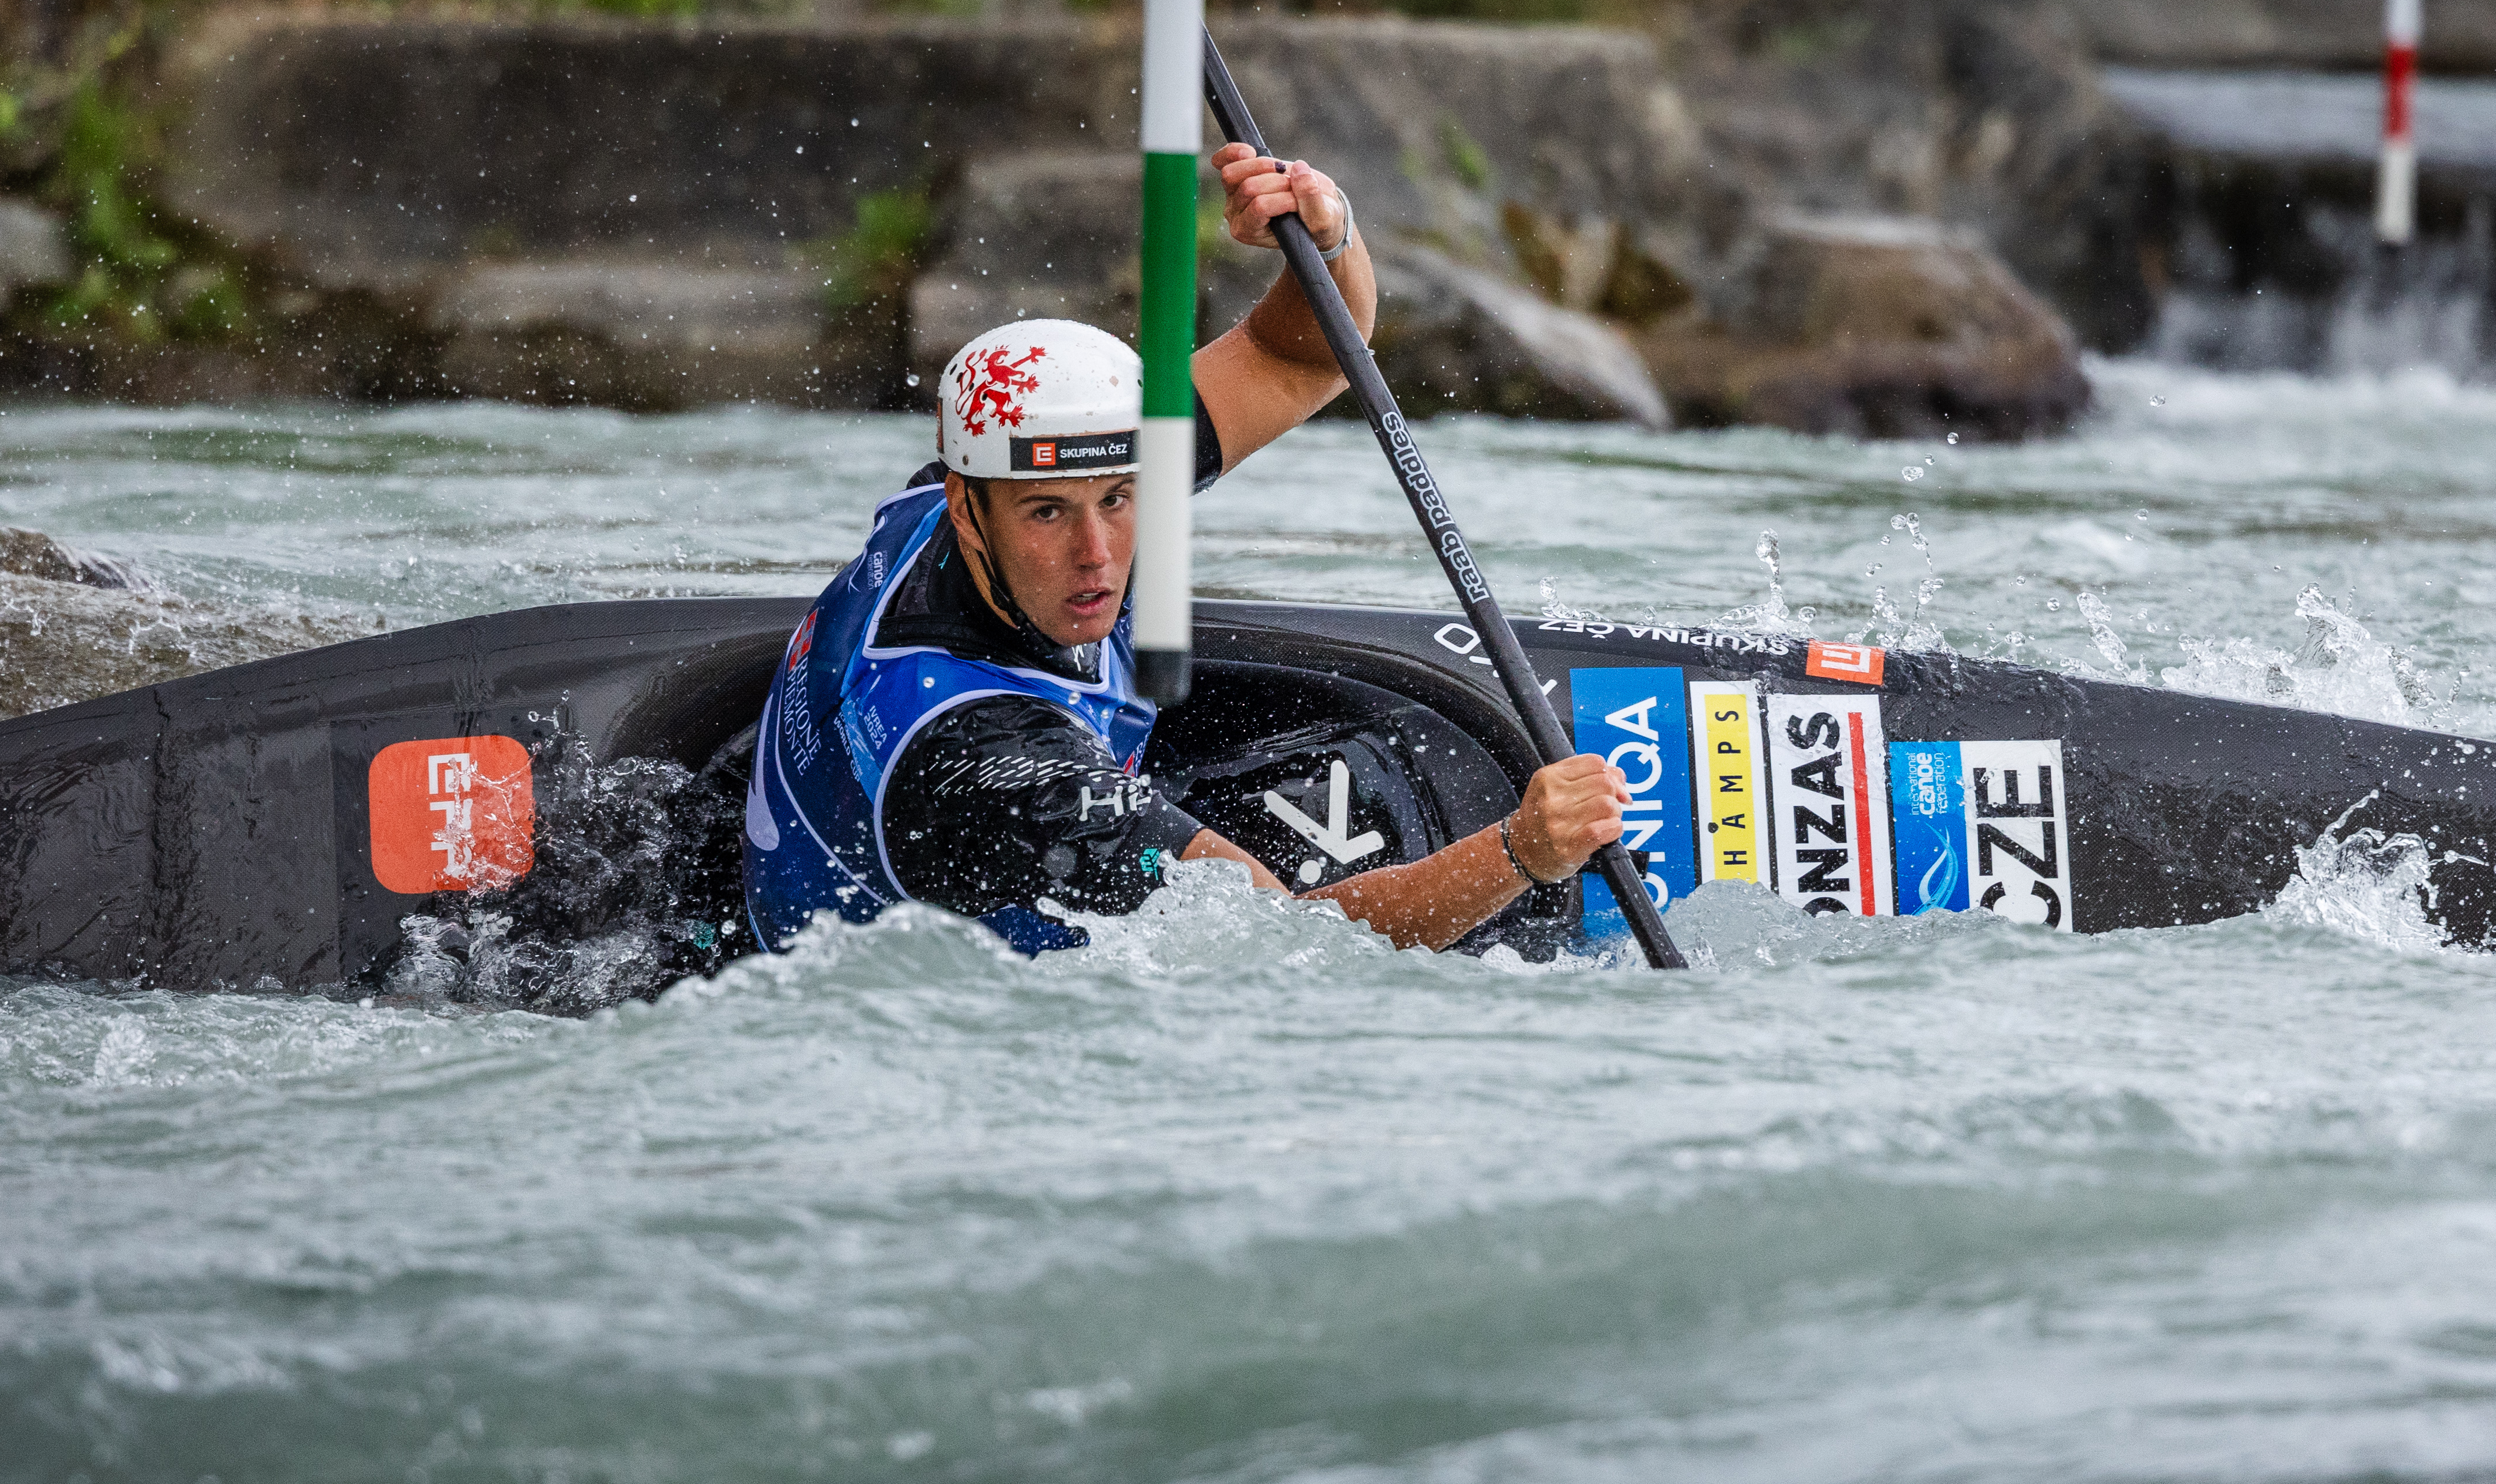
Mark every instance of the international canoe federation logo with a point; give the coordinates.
(453, 814)
(991, 386)
(1862, 664)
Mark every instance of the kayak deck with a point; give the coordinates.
(277, 822)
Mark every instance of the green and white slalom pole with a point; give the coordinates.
(1173, 128)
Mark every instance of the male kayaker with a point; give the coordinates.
(956, 720)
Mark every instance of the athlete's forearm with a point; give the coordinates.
(1436, 900)
(1430, 903)
(1285, 327)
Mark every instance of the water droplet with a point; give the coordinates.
(2141, 514)
(1951, 440)
(1928, 461)
(2158, 401)
(2020, 581)
(1911, 474)
(911, 379)
(2053, 605)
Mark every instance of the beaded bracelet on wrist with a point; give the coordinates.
(1510, 846)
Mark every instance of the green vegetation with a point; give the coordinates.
(1808, 41)
(110, 230)
(882, 247)
(646, 9)
(73, 135)
(1464, 154)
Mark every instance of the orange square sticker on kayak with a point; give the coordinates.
(1860, 663)
(453, 814)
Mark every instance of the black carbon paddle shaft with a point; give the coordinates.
(1481, 610)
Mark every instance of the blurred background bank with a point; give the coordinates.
(1877, 217)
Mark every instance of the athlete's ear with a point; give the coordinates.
(957, 507)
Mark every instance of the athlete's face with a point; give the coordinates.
(1064, 545)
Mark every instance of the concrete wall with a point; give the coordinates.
(371, 152)
(2321, 35)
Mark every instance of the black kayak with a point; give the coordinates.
(572, 772)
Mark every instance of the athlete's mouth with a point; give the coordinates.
(1089, 602)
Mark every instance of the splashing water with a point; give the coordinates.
(638, 844)
(2109, 645)
(2364, 884)
(1913, 631)
(1554, 606)
(1770, 616)
(2341, 669)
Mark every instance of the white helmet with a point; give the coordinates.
(1041, 399)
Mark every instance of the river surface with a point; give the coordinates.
(1239, 1193)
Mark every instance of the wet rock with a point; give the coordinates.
(1453, 338)
(65, 642)
(33, 248)
(374, 152)
(1054, 236)
(1983, 113)
(1882, 328)
(33, 554)
(557, 210)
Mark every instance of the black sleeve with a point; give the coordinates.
(1208, 448)
(1003, 800)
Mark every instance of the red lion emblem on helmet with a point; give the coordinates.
(989, 385)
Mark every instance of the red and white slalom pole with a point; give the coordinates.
(2396, 182)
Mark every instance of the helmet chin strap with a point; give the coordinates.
(999, 593)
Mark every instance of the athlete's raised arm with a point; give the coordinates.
(1271, 370)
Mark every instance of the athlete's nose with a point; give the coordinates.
(1092, 545)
